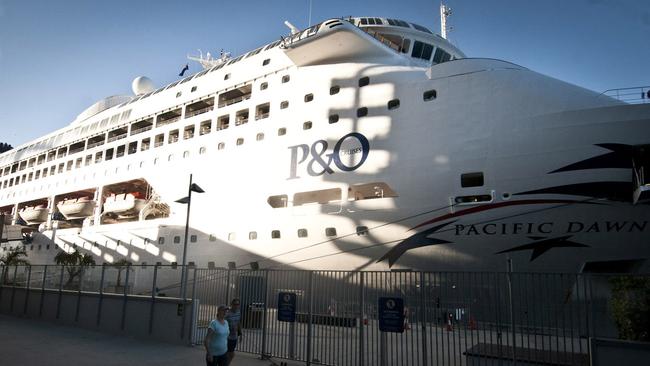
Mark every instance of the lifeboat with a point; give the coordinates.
(76, 208)
(125, 205)
(34, 214)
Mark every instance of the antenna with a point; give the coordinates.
(445, 12)
(309, 25)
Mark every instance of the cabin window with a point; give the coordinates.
(282, 131)
(368, 191)
(30, 176)
(223, 122)
(232, 236)
(177, 239)
(60, 153)
(159, 140)
(266, 62)
(264, 86)
(98, 157)
(393, 104)
(235, 96)
(319, 197)
(241, 117)
(362, 230)
(155, 161)
(38, 174)
(364, 81)
(362, 112)
(168, 117)
(330, 231)
(307, 125)
(286, 78)
(133, 147)
(284, 105)
(109, 154)
(333, 118)
(205, 127)
(173, 137)
(74, 148)
(186, 154)
(89, 159)
(170, 157)
(179, 94)
(144, 145)
(41, 159)
(212, 237)
(78, 163)
(240, 141)
(200, 107)
(278, 201)
(335, 89)
(275, 234)
(188, 132)
(161, 240)
(474, 179)
(52, 154)
(429, 95)
(259, 137)
(44, 175)
(92, 142)
(193, 238)
(140, 126)
(252, 235)
(202, 150)
(221, 146)
(193, 89)
(309, 97)
(302, 233)
(227, 76)
(120, 151)
(262, 111)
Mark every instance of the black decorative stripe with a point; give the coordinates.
(613, 191)
(620, 157)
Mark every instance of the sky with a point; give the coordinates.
(59, 57)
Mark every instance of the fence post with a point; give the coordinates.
(13, 290)
(126, 293)
(40, 305)
(29, 279)
(193, 309)
(309, 316)
(101, 294)
(153, 297)
(423, 320)
(81, 277)
(228, 286)
(58, 302)
(362, 325)
(183, 295)
(512, 313)
(266, 295)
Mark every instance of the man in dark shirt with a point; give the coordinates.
(233, 316)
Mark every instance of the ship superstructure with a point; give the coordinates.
(360, 143)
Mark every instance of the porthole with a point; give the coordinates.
(302, 233)
(362, 230)
(307, 125)
(362, 112)
(335, 89)
(252, 235)
(193, 89)
(266, 62)
(330, 231)
(226, 77)
(264, 86)
(429, 95)
(232, 236)
(177, 239)
(161, 240)
(284, 105)
(221, 146)
(186, 154)
(393, 104)
(364, 81)
(282, 131)
(506, 196)
(275, 234)
(286, 78)
(240, 141)
(259, 137)
(193, 238)
(202, 150)
(179, 94)
(309, 97)
(333, 118)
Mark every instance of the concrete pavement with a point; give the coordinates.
(33, 342)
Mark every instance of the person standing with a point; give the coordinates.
(233, 316)
(216, 341)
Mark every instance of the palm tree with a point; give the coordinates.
(13, 258)
(74, 263)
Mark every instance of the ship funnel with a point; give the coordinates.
(293, 28)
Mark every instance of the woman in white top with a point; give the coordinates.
(216, 342)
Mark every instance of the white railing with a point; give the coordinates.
(633, 95)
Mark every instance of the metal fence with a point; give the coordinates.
(451, 318)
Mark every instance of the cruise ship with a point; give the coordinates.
(362, 143)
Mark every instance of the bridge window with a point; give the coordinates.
(422, 50)
(441, 56)
(278, 201)
(320, 196)
(364, 81)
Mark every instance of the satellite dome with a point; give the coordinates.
(142, 85)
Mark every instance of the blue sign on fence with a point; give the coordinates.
(391, 314)
(287, 307)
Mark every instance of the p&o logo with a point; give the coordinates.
(345, 155)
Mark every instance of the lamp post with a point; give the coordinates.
(193, 187)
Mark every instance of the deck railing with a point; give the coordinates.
(633, 95)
